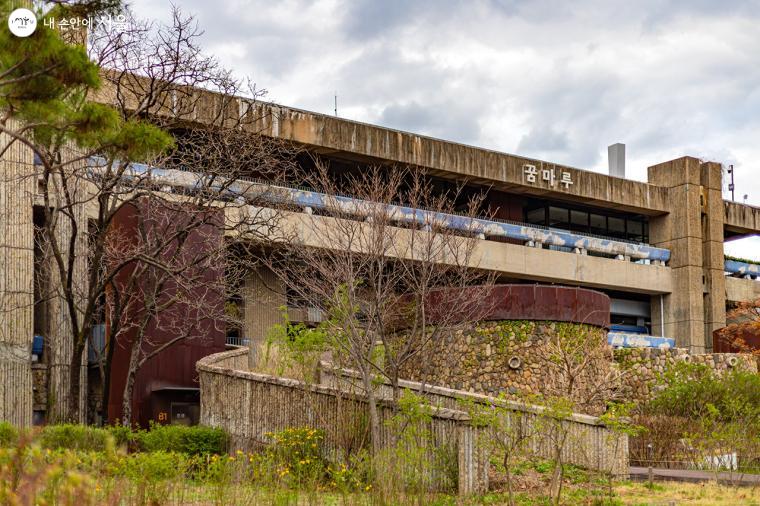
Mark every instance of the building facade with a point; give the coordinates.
(681, 294)
(655, 248)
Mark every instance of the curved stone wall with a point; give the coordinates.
(503, 357)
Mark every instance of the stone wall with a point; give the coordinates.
(641, 367)
(510, 358)
(494, 357)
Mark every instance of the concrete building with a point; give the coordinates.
(655, 247)
(680, 209)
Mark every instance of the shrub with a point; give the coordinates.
(691, 388)
(297, 454)
(8, 434)
(700, 416)
(122, 434)
(661, 444)
(153, 474)
(197, 440)
(74, 437)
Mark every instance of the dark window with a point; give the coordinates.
(582, 220)
(558, 217)
(616, 226)
(536, 216)
(598, 224)
(579, 220)
(635, 230)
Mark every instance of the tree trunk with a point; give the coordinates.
(129, 386)
(508, 476)
(106, 380)
(75, 383)
(558, 473)
(374, 417)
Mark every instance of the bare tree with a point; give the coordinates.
(376, 270)
(175, 108)
(579, 377)
(172, 287)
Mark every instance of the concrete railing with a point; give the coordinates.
(251, 405)
(742, 269)
(589, 443)
(532, 235)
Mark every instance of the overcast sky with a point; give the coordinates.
(554, 80)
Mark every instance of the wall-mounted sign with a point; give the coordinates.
(552, 176)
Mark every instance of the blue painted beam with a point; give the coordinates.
(355, 207)
(628, 340)
(742, 268)
(520, 232)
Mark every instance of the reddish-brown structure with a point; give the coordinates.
(743, 339)
(166, 387)
(527, 302)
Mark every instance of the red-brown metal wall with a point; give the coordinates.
(527, 302)
(170, 375)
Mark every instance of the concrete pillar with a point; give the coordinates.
(59, 344)
(263, 301)
(693, 231)
(713, 218)
(17, 183)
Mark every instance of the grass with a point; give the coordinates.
(531, 483)
(291, 472)
(670, 492)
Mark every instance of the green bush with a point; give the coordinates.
(122, 434)
(691, 389)
(197, 440)
(297, 454)
(74, 437)
(8, 434)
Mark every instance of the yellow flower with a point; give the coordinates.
(367, 487)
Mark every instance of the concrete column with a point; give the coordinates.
(693, 231)
(263, 300)
(59, 344)
(713, 218)
(17, 183)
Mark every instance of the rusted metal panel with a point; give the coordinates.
(170, 375)
(523, 302)
(745, 339)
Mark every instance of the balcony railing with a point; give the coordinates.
(530, 235)
(742, 269)
(237, 341)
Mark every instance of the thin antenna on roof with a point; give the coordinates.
(336, 102)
